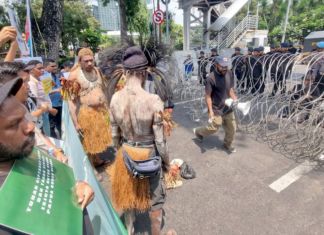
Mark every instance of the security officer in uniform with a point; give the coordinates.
(211, 59)
(256, 68)
(237, 63)
(246, 68)
(283, 69)
(202, 64)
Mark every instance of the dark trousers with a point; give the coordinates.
(202, 77)
(257, 86)
(279, 82)
(56, 121)
(239, 76)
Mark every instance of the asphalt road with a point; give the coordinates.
(231, 193)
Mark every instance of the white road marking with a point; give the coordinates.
(290, 177)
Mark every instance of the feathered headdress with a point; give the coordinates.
(154, 52)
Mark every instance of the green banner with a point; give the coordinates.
(38, 197)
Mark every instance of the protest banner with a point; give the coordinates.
(47, 83)
(28, 30)
(38, 197)
(27, 59)
(15, 23)
(103, 217)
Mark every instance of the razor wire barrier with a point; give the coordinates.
(290, 118)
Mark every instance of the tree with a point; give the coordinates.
(127, 10)
(91, 38)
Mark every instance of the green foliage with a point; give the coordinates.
(109, 40)
(139, 21)
(91, 38)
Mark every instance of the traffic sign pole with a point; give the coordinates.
(160, 32)
(167, 22)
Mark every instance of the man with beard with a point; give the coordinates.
(17, 141)
(219, 87)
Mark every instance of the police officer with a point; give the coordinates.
(283, 69)
(237, 63)
(292, 49)
(272, 50)
(202, 64)
(261, 51)
(246, 68)
(256, 68)
(211, 59)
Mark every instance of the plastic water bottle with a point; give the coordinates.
(51, 152)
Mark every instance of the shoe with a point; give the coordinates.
(231, 148)
(199, 137)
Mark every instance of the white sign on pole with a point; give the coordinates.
(15, 23)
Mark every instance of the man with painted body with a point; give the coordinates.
(87, 95)
(138, 129)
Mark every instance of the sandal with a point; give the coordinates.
(230, 148)
(174, 184)
(99, 177)
(105, 162)
(199, 137)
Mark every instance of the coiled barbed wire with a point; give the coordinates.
(290, 120)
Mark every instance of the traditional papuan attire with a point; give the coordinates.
(130, 193)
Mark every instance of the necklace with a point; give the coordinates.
(91, 77)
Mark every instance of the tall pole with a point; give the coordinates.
(160, 33)
(167, 21)
(286, 22)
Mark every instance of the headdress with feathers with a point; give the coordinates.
(154, 52)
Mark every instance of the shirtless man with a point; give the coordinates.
(89, 108)
(136, 114)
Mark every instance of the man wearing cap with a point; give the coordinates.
(256, 68)
(211, 59)
(67, 66)
(283, 69)
(271, 61)
(278, 48)
(272, 50)
(202, 64)
(318, 72)
(88, 108)
(237, 63)
(17, 141)
(292, 49)
(55, 95)
(246, 68)
(219, 87)
(261, 51)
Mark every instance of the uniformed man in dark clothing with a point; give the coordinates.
(246, 68)
(292, 49)
(256, 68)
(261, 51)
(202, 64)
(237, 63)
(272, 50)
(283, 69)
(278, 49)
(211, 59)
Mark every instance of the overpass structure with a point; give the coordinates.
(219, 17)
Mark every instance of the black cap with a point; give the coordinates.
(10, 88)
(202, 52)
(272, 47)
(69, 64)
(237, 49)
(134, 59)
(213, 49)
(257, 49)
(250, 49)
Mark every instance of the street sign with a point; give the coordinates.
(158, 17)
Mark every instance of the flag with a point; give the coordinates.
(28, 31)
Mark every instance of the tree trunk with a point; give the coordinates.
(47, 44)
(123, 22)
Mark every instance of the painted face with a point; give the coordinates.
(17, 137)
(87, 62)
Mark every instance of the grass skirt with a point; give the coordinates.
(129, 193)
(96, 130)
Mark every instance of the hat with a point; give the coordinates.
(285, 44)
(290, 45)
(257, 49)
(214, 49)
(261, 48)
(134, 59)
(202, 52)
(320, 44)
(272, 47)
(250, 48)
(222, 60)
(237, 49)
(10, 88)
(68, 64)
(29, 67)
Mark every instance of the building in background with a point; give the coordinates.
(108, 16)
